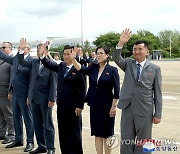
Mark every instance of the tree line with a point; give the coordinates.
(165, 41)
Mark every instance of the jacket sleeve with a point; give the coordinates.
(118, 59)
(158, 94)
(6, 58)
(85, 70)
(23, 62)
(82, 91)
(53, 86)
(116, 83)
(51, 65)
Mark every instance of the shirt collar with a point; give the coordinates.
(70, 66)
(141, 63)
(25, 56)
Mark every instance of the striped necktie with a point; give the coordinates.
(66, 72)
(138, 71)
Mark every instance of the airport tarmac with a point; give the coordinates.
(168, 129)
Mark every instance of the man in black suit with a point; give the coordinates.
(42, 96)
(6, 115)
(70, 101)
(19, 84)
(92, 59)
(82, 59)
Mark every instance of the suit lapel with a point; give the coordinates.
(1, 62)
(70, 71)
(40, 70)
(96, 73)
(134, 67)
(37, 67)
(144, 68)
(103, 72)
(146, 64)
(20, 66)
(63, 71)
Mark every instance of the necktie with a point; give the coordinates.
(19, 66)
(40, 65)
(138, 71)
(66, 72)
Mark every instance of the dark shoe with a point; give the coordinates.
(2, 137)
(38, 150)
(8, 140)
(51, 152)
(15, 144)
(29, 147)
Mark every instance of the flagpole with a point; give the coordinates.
(82, 25)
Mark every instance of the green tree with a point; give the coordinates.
(110, 39)
(58, 50)
(174, 36)
(154, 42)
(87, 47)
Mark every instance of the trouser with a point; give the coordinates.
(134, 127)
(6, 117)
(22, 111)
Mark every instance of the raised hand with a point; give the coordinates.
(74, 52)
(125, 36)
(22, 43)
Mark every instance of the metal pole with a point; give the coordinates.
(170, 45)
(82, 25)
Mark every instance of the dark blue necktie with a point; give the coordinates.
(66, 72)
(138, 71)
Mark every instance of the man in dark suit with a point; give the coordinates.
(92, 60)
(6, 114)
(82, 59)
(42, 95)
(140, 97)
(19, 84)
(70, 101)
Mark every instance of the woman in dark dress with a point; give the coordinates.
(102, 97)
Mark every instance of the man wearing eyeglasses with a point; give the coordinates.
(6, 114)
(19, 83)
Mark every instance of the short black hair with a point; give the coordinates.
(68, 47)
(9, 44)
(105, 48)
(56, 54)
(146, 44)
(42, 44)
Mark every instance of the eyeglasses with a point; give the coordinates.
(4, 47)
(100, 53)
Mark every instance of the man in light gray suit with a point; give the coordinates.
(140, 97)
(6, 115)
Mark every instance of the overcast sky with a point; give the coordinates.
(37, 19)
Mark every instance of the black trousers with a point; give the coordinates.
(70, 131)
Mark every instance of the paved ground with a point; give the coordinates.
(168, 129)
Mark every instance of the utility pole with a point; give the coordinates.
(82, 25)
(170, 45)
